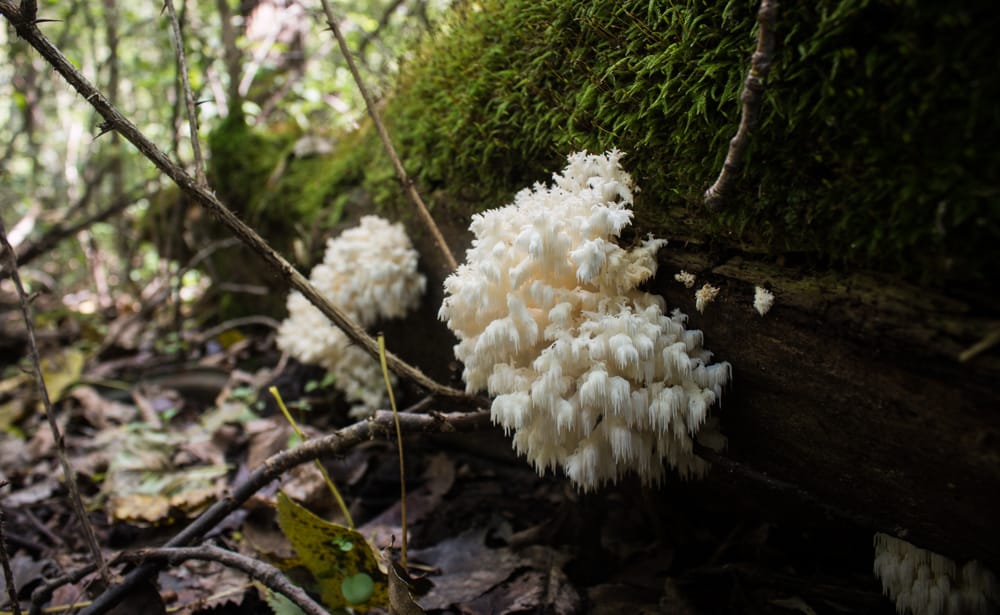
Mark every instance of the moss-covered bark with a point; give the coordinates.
(876, 139)
(876, 150)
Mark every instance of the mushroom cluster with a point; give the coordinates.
(370, 272)
(924, 583)
(589, 372)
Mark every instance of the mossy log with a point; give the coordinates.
(850, 391)
(867, 204)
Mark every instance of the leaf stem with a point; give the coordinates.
(399, 440)
(326, 476)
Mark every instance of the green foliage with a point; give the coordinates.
(875, 146)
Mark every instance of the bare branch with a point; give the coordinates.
(192, 112)
(333, 444)
(29, 8)
(114, 120)
(8, 574)
(43, 593)
(753, 88)
(70, 476)
(408, 185)
(261, 571)
(383, 22)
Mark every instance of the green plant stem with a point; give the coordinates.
(326, 476)
(399, 441)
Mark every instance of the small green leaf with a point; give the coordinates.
(357, 588)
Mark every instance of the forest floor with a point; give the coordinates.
(156, 435)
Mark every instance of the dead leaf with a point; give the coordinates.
(100, 411)
(385, 528)
(468, 568)
(33, 494)
(62, 371)
(400, 600)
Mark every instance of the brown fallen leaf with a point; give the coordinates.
(400, 599)
(468, 569)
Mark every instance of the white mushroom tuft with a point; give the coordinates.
(921, 582)
(370, 272)
(685, 278)
(588, 372)
(704, 295)
(763, 299)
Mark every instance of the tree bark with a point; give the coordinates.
(851, 389)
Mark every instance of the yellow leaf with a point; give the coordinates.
(339, 558)
(62, 371)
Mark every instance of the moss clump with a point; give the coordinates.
(877, 138)
(256, 172)
(241, 162)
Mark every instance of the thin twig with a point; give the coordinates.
(192, 112)
(8, 574)
(70, 477)
(231, 54)
(753, 88)
(43, 593)
(383, 22)
(390, 150)
(272, 468)
(256, 569)
(114, 120)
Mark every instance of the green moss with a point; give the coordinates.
(256, 172)
(877, 139)
(241, 161)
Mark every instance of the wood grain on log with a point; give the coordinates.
(852, 390)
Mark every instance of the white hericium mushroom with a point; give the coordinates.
(370, 272)
(921, 582)
(588, 372)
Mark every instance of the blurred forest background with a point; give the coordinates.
(273, 63)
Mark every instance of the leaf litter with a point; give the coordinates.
(487, 534)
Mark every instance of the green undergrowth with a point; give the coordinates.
(876, 146)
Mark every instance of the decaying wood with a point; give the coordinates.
(851, 388)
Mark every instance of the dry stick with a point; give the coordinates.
(272, 468)
(753, 88)
(261, 571)
(114, 120)
(192, 113)
(408, 185)
(43, 593)
(8, 574)
(74, 492)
